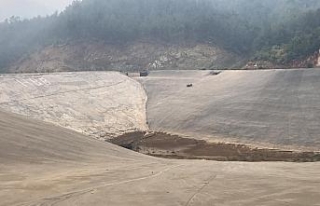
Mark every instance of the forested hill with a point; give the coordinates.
(279, 31)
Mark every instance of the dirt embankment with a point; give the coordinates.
(172, 146)
(78, 56)
(310, 61)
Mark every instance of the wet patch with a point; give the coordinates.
(161, 144)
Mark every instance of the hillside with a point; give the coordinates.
(277, 31)
(137, 56)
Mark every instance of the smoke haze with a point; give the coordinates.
(30, 8)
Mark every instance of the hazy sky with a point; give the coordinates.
(30, 8)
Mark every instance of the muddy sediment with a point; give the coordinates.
(165, 145)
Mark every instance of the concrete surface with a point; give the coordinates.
(273, 108)
(99, 104)
(42, 164)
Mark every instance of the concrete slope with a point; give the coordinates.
(277, 108)
(39, 160)
(25, 141)
(92, 103)
(42, 164)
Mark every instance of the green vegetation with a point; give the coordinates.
(291, 40)
(274, 30)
